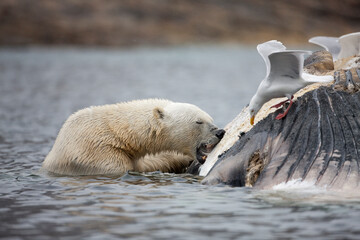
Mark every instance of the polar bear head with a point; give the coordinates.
(189, 129)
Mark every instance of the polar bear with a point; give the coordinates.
(141, 135)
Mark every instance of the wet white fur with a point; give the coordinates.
(143, 135)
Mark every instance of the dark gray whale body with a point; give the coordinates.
(318, 141)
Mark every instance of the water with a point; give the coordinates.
(40, 88)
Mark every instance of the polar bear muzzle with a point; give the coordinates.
(206, 147)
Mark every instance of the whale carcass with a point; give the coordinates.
(317, 142)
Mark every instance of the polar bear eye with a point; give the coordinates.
(199, 122)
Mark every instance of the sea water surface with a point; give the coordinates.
(41, 87)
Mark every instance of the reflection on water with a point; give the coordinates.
(39, 88)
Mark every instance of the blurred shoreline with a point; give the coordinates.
(164, 22)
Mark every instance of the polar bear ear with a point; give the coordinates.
(158, 113)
